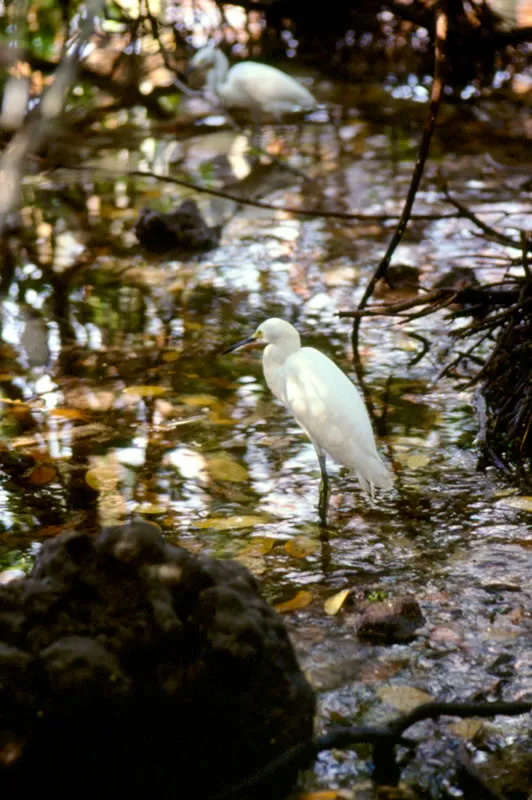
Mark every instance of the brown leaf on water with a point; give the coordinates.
(39, 455)
(151, 509)
(42, 474)
(68, 413)
(325, 794)
(301, 546)
(333, 604)
(259, 546)
(300, 600)
(403, 698)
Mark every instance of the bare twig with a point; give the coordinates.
(461, 355)
(489, 232)
(443, 296)
(242, 200)
(526, 247)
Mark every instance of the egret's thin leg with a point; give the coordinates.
(255, 141)
(324, 488)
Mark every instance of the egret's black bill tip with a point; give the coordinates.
(237, 345)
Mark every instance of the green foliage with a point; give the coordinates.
(16, 559)
(377, 596)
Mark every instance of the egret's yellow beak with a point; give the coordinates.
(249, 343)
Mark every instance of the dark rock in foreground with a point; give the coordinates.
(130, 667)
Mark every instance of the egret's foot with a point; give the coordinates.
(323, 503)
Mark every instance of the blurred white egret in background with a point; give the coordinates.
(250, 85)
(323, 402)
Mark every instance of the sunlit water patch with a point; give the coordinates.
(117, 402)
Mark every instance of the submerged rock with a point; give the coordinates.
(132, 668)
(391, 621)
(183, 229)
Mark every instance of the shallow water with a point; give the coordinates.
(117, 400)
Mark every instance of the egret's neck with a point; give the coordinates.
(218, 71)
(273, 360)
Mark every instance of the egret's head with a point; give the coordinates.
(203, 59)
(273, 331)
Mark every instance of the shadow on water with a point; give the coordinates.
(116, 401)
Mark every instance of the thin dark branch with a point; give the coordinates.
(490, 232)
(526, 247)
(240, 199)
(425, 347)
(436, 709)
(482, 297)
(383, 739)
(430, 124)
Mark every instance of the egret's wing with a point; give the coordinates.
(251, 82)
(329, 408)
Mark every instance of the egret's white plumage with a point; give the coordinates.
(323, 401)
(257, 87)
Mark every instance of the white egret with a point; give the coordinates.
(250, 85)
(324, 403)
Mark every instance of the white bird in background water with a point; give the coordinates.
(324, 403)
(250, 85)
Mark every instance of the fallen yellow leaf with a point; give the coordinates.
(258, 546)
(199, 400)
(102, 479)
(235, 523)
(403, 698)
(10, 402)
(300, 600)
(417, 461)
(301, 546)
(146, 391)
(521, 503)
(466, 728)
(171, 355)
(225, 469)
(333, 604)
